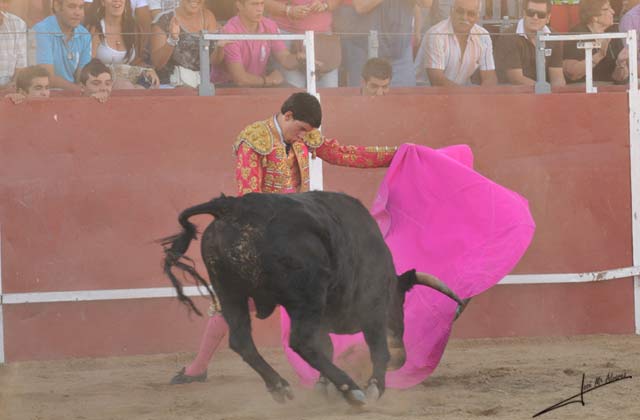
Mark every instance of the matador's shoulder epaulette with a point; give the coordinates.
(313, 139)
(258, 136)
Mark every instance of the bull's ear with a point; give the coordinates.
(407, 280)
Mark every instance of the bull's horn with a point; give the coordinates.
(437, 284)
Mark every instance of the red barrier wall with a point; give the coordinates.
(85, 189)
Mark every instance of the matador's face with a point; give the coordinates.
(293, 130)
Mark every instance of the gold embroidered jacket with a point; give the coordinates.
(263, 165)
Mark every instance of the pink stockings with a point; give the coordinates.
(214, 333)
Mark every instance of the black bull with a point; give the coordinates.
(318, 254)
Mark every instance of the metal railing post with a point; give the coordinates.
(309, 44)
(2, 359)
(632, 43)
(634, 155)
(205, 88)
(588, 47)
(542, 86)
(373, 44)
(316, 179)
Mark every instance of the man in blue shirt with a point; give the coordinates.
(63, 44)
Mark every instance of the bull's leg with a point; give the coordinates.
(236, 313)
(377, 341)
(326, 346)
(305, 339)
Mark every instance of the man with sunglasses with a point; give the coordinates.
(457, 47)
(516, 54)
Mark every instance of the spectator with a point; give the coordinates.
(376, 77)
(114, 33)
(394, 22)
(353, 24)
(96, 80)
(116, 40)
(452, 59)
(309, 15)
(140, 10)
(609, 61)
(245, 62)
(631, 19)
(13, 44)
(516, 54)
(31, 82)
(175, 43)
(63, 44)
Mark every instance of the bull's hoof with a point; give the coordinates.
(355, 397)
(282, 393)
(373, 392)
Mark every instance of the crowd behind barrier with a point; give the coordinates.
(156, 43)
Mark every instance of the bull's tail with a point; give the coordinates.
(176, 246)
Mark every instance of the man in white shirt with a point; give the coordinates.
(13, 44)
(456, 47)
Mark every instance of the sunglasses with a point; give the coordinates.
(460, 11)
(531, 13)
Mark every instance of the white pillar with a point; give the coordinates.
(634, 152)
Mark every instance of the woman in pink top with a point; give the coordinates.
(298, 16)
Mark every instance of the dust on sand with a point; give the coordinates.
(477, 379)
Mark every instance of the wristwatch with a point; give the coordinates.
(172, 42)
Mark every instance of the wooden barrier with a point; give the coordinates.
(85, 189)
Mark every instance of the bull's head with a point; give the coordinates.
(395, 330)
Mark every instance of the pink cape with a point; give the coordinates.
(438, 216)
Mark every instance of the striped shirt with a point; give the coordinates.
(443, 52)
(13, 46)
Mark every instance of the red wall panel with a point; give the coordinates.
(86, 188)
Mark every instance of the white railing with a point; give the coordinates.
(208, 89)
(587, 42)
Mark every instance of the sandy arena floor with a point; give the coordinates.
(477, 379)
